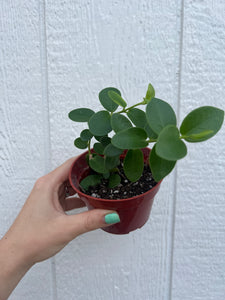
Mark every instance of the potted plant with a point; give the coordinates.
(120, 173)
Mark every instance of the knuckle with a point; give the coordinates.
(88, 222)
(63, 231)
(40, 183)
(64, 228)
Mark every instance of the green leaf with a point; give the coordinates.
(99, 124)
(150, 93)
(131, 138)
(105, 140)
(133, 164)
(111, 150)
(137, 116)
(112, 162)
(98, 147)
(198, 137)
(98, 138)
(91, 180)
(159, 114)
(119, 122)
(117, 98)
(86, 135)
(150, 132)
(114, 180)
(97, 163)
(80, 144)
(106, 101)
(202, 123)
(169, 146)
(159, 167)
(81, 114)
(106, 175)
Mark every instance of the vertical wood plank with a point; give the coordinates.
(22, 130)
(91, 45)
(199, 245)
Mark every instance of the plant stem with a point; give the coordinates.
(140, 103)
(151, 140)
(127, 109)
(89, 148)
(121, 175)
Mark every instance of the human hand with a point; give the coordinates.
(42, 227)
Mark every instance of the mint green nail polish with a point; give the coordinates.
(112, 218)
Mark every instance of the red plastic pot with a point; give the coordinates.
(134, 212)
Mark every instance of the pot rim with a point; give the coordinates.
(102, 199)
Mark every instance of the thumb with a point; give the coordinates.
(91, 220)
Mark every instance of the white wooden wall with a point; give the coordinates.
(56, 55)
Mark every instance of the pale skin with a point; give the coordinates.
(42, 227)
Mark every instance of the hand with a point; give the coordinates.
(42, 228)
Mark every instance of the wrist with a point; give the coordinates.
(13, 265)
(15, 253)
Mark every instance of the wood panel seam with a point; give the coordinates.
(173, 211)
(46, 114)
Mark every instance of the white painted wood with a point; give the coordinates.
(199, 245)
(22, 149)
(91, 45)
(126, 44)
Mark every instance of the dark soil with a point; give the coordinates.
(126, 189)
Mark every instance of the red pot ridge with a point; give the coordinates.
(134, 212)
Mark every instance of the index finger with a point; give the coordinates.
(61, 173)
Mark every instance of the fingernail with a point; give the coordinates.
(112, 218)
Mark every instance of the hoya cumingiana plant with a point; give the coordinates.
(120, 127)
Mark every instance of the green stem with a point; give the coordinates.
(89, 148)
(140, 103)
(151, 140)
(125, 110)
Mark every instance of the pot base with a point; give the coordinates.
(130, 219)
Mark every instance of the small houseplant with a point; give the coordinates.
(120, 172)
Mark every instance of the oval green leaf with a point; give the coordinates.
(159, 114)
(98, 138)
(159, 167)
(106, 175)
(198, 137)
(119, 122)
(112, 162)
(99, 124)
(86, 135)
(81, 114)
(117, 98)
(138, 117)
(111, 150)
(169, 146)
(91, 180)
(151, 134)
(105, 140)
(106, 101)
(80, 144)
(150, 93)
(131, 138)
(97, 163)
(133, 164)
(202, 123)
(98, 147)
(114, 180)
